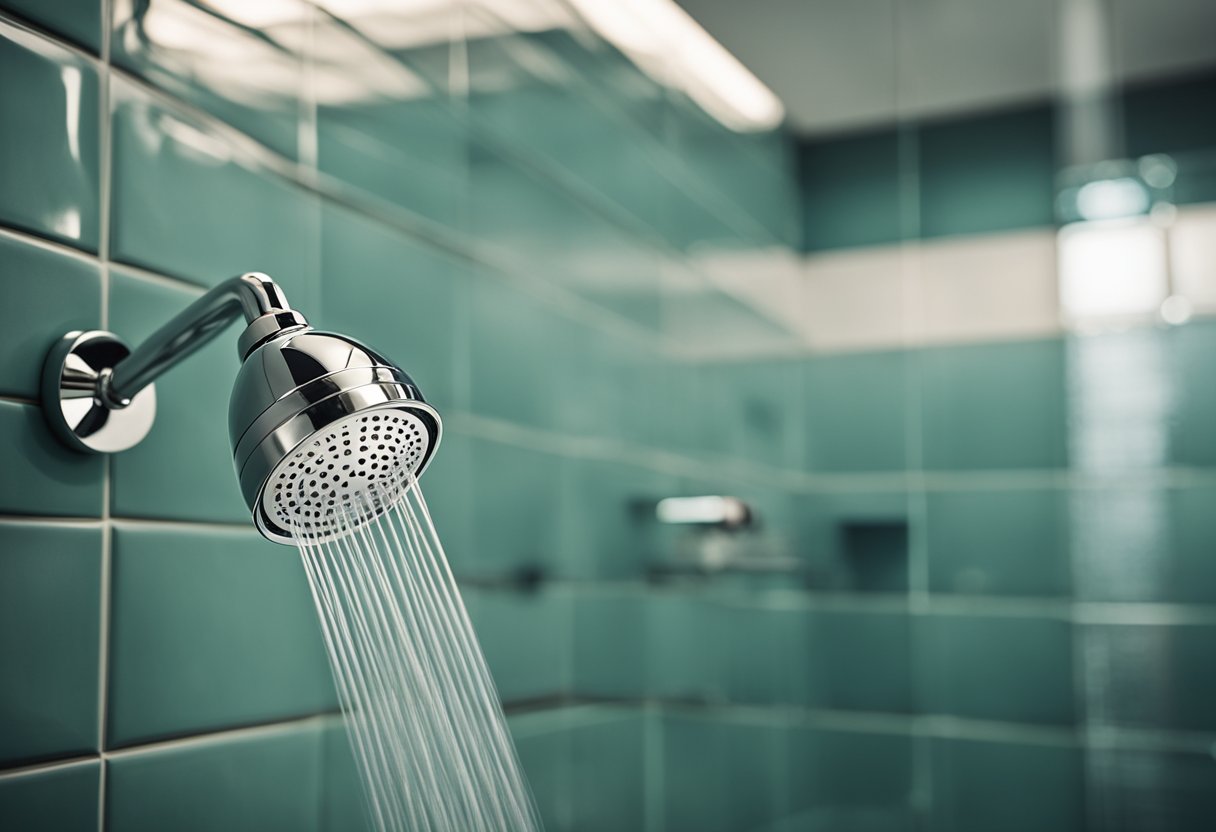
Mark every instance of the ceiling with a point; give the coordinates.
(845, 64)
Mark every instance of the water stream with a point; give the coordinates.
(422, 712)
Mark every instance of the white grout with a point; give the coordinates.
(105, 168)
(193, 741)
(62, 249)
(225, 735)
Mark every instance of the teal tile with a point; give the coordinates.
(527, 639)
(1009, 541)
(188, 202)
(994, 406)
(265, 781)
(856, 411)
(721, 181)
(998, 668)
(973, 786)
(684, 655)
(754, 411)
(871, 659)
(853, 540)
(1170, 116)
(397, 295)
(543, 744)
(608, 774)
(209, 629)
(1142, 542)
(697, 795)
(610, 644)
(850, 780)
(41, 475)
(1150, 675)
(722, 775)
(45, 295)
(48, 148)
(750, 675)
(603, 534)
(750, 178)
(851, 189)
(1192, 443)
(77, 20)
(538, 229)
(50, 613)
(191, 429)
(520, 351)
(988, 172)
(569, 122)
(514, 523)
(755, 755)
(1142, 789)
(869, 653)
(239, 74)
(344, 806)
(674, 389)
(60, 798)
(601, 390)
(412, 154)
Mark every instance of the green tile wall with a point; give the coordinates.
(852, 190)
(45, 293)
(994, 406)
(178, 182)
(60, 798)
(972, 779)
(50, 166)
(209, 628)
(258, 781)
(1007, 541)
(987, 173)
(50, 585)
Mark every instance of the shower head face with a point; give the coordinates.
(318, 420)
(316, 489)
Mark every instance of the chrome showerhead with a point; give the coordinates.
(315, 417)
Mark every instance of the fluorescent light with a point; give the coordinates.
(667, 44)
(1113, 270)
(713, 511)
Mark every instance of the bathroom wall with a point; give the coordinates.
(509, 215)
(1001, 525)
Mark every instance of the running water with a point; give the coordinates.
(422, 712)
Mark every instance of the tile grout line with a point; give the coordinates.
(942, 726)
(1080, 612)
(186, 741)
(103, 253)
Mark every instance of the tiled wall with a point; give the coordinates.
(505, 214)
(1004, 529)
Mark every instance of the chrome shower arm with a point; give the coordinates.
(253, 295)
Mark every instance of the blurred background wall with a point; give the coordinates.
(941, 321)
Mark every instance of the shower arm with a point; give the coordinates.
(98, 394)
(253, 294)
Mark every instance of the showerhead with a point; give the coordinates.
(315, 417)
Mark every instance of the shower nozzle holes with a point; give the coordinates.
(327, 471)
